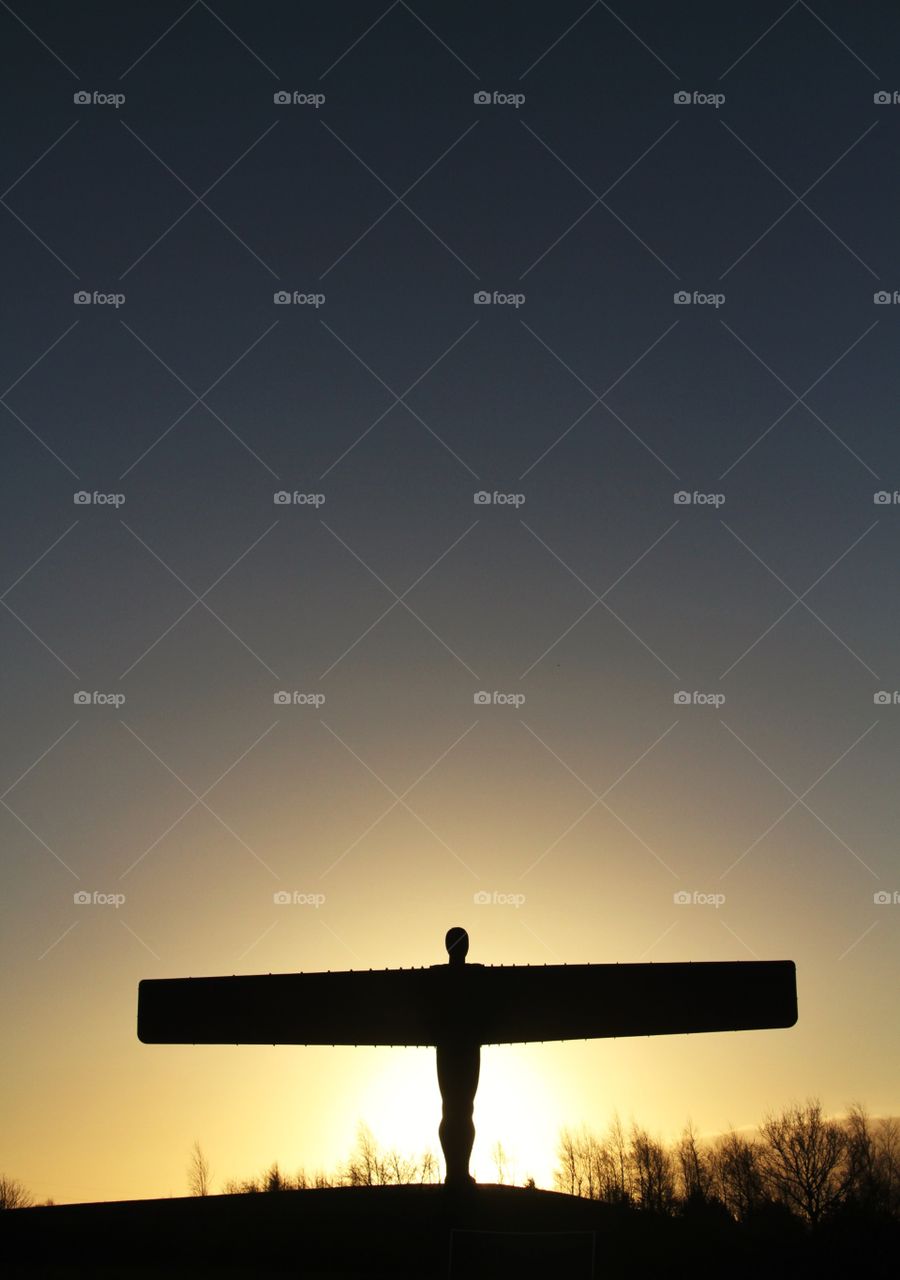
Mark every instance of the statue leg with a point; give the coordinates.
(457, 1068)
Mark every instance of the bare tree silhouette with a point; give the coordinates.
(199, 1174)
(635, 1169)
(803, 1159)
(653, 1173)
(873, 1162)
(737, 1178)
(501, 1162)
(366, 1166)
(14, 1194)
(694, 1167)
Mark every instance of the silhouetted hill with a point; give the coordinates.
(421, 1231)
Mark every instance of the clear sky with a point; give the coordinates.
(682, 696)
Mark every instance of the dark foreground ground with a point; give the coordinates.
(425, 1232)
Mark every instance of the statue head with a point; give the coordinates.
(457, 944)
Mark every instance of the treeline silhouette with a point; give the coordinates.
(367, 1166)
(798, 1163)
(801, 1195)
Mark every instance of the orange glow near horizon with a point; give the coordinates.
(115, 1119)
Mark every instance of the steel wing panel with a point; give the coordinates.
(365, 1007)
(574, 1002)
